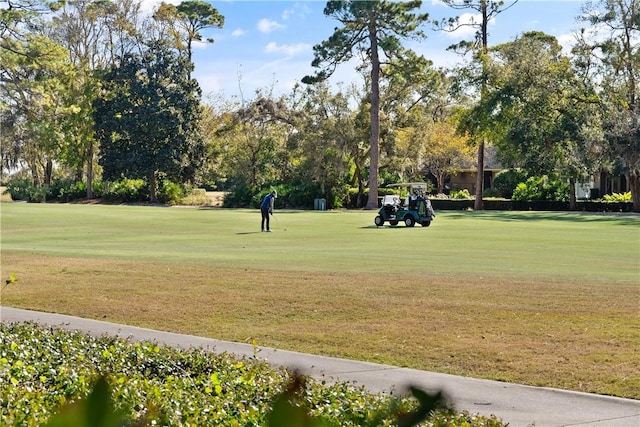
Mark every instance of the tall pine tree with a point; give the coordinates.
(375, 30)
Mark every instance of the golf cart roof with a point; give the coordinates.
(421, 185)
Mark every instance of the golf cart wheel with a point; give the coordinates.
(378, 221)
(426, 223)
(409, 221)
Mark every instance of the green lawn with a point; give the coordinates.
(543, 298)
(575, 247)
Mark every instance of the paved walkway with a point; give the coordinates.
(519, 405)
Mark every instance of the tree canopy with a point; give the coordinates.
(608, 57)
(147, 117)
(375, 30)
(102, 90)
(476, 75)
(187, 20)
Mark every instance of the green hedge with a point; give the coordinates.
(289, 196)
(534, 205)
(44, 369)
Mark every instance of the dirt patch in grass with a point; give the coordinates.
(575, 336)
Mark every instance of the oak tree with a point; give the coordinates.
(538, 108)
(609, 56)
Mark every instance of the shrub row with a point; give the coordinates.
(67, 190)
(289, 196)
(43, 369)
(63, 190)
(534, 205)
(295, 197)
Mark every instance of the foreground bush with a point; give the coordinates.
(43, 369)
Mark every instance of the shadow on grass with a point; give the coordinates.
(392, 227)
(618, 218)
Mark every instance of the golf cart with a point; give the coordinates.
(415, 208)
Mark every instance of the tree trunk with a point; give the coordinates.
(572, 194)
(153, 188)
(478, 205)
(90, 171)
(357, 180)
(35, 176)
(254, 168)
(374, 153)
(634, 184)
(48, 172)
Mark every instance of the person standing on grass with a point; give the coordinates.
(266, 208)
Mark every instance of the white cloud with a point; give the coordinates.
(567, 41)
(299, 11)
(234, 79)
(287, 49)
(241, 80)
(267, 26)
(199, 44)
(597, 33)
(239, 32)
(209, 82)
(288, 13)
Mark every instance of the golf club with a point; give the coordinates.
(278, 222)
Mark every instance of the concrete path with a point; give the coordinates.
(519, 405)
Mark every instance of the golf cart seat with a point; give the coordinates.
(390, 205)
(390, 200)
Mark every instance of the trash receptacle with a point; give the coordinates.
(320, 204)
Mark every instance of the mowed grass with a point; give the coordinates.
(549, 299)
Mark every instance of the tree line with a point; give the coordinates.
(96, 91)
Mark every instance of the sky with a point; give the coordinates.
(268, 44)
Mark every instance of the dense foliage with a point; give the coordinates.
(542, 188)
(125, 190)
(617, 197)
(44, 368)
(375, 30)
(506, 182)
(147, 92)
(96, 91)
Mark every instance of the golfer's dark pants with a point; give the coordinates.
(265, 217)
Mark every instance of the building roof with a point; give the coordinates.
(490, 161)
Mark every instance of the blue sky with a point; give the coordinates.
(267, 44)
